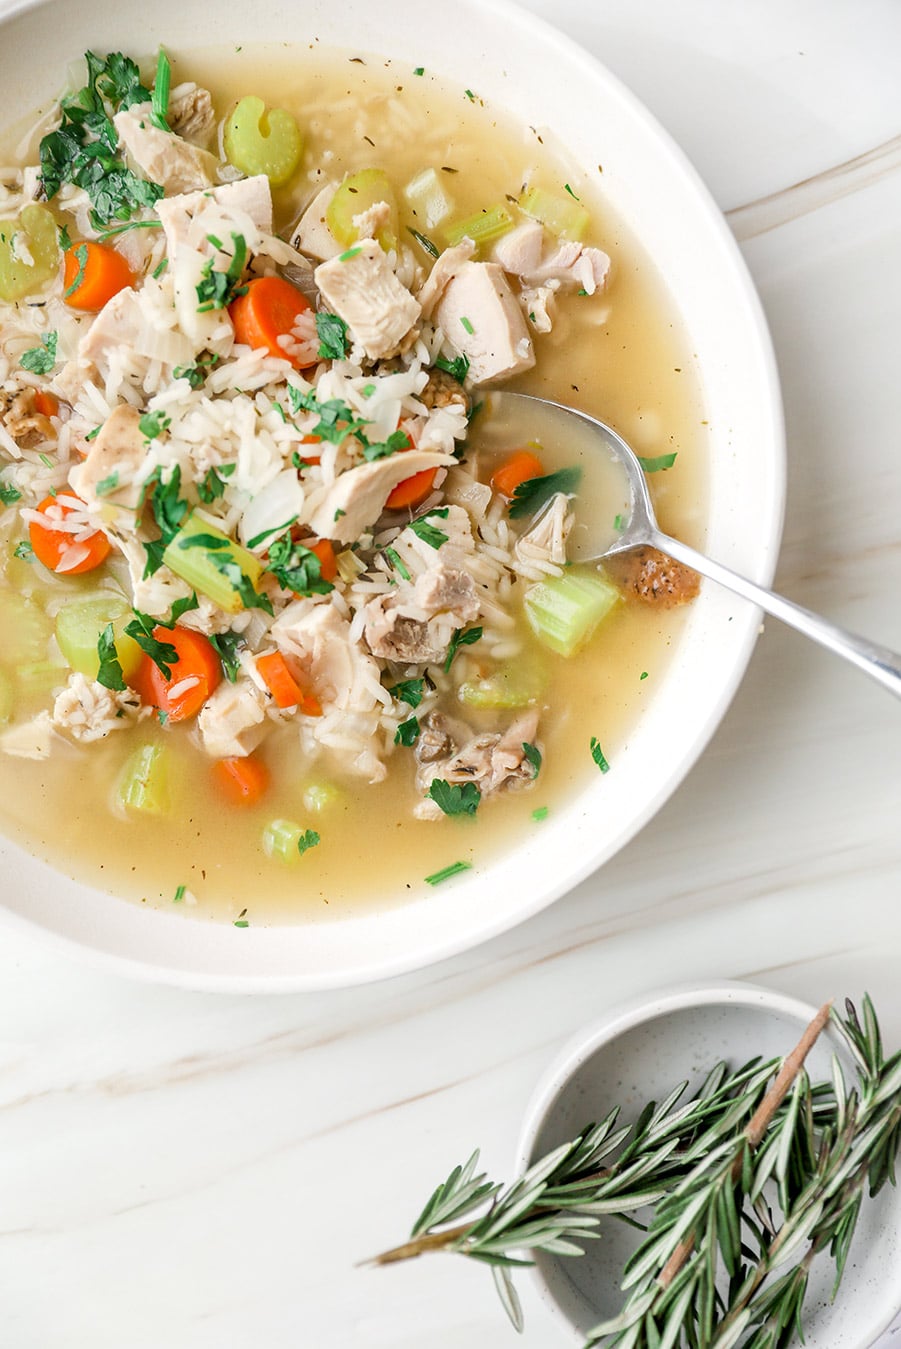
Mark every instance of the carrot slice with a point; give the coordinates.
(311, 458)
(513, 472)
(411, 492)
(59, 549)
(284, 688)
(243, 781)
(268, 311)
(47, 404)
(194, 675)
(94, 274)
(328, 563)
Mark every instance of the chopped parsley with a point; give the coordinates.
(424, 242)
(455, 798)
(9, 494)
(110, 672)
(65, 241)
(92, 435)
(408, 691)
(467, 325)
(226, 644)
(540, 814)
(242, 920)
(336, 419)
(419, 70)
(534, 493)
(533, 757)
(216, 289)
(654, 465)
(643, 675)
(82, 150)
(297, 568)
(180, 892)
(398, 440)
(446, 873)
(163, 654)
(429, 534)
(407, 732)
(460, 638)
(159, 269)
(107, 484)
(349, 253)
(567, 188)
(308, 839)
(470, 95)
(332, 333)
(397, 563)
(619, 523)
(265, 534)
(196, 374)
(40, 360)
(182, 606)
(160, 100)
(151, 424)
(24, 550)
(598, 755)
(458, 368)
(80, 253)
(212, 486)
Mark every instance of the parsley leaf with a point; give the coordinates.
(332, 333)
(107, 484)
(408, 691)
(407, 732)
(429, 533)
(598, 755)
(455, 798)
(110, 672)
(152, 423)
(196, 374)
(226, 644)
(24, 550)
(534, 493)
(336, 419)
(372, 450)
(457, 368)
(9, 494)
(308, 839)
(41, 360)
(662, 461)
(397, 563)
(80, 253)
(163, 654)
(212, 486)
(169, 510)
(460, 638)
(533, 756)
(182, 606)
(297, 568)
(216, 289)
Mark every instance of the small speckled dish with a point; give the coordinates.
(638, 1052)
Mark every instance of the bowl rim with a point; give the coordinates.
(442, 943)
(616, 1021)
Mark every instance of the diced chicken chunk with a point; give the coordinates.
(361, 288)
(313, 235)
(88, 711)
(443, 272)
(402, 626)
(357, 498)
(249, 197)
(191, 114)
(519, 252)
(494, 761)
(176, 164)
(232, 721)
(26, 426)
(124, 326)
(375, 218)
(564, 264)
(115, 459)
(393, 635)
(480, 317)
(546, 540)
(447, 590)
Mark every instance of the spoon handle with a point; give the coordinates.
(877, 661)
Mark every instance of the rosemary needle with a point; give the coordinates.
(759, 1168)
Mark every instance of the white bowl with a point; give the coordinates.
(498, 50)
(639, 1052)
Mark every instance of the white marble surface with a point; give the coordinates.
(203, 1172)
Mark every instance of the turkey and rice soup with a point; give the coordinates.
(287, 617)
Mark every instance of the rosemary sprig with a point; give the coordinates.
(759, 1169)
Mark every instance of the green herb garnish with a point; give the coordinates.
(108, 484)
(297, 568)
(196, 374)
(9, 495)
(398, 440)
(110, 672)
(226, 644)
(407, 732)
(308, 839)
(332, 333)
(241, 920)
(409, 691)
(467, 325)
(598, 755)
(540, 814)
(457, 368)
(446, 873)
(151, 424)
(180, 892)
(656, 465)
(534, 493)
(41, 360)
(80, 253)
(397, 563)
(460, 638)
(429, 533)
(533, 756)
(24, 550)
(163, 654)
(216, 289)
(424, 242)
(455, 798)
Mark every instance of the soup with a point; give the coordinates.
(375, 690)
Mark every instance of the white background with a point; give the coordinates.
(202, 1172)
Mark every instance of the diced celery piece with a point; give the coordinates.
(37, 679)
(482, 227)
(24, 630)
(29, 253)
(564, 611)
(511, 686)
(199, 551)
(318, 796)
(355, 195)
(280, 840)
(430, 202)
(7, 697)
(78, 630)
(258, 140)
(563, 216)
(144, 785)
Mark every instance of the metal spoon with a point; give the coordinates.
(642, 529)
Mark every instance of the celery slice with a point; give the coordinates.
(564, 611)
(482, 227)
(37, 679)
(286, 841)
(509, 687)
(78, 630)
(144, 785)
(261, 141)
(199, 552)
(563, 216)
(430, 201)
(318, 796)
(24, 630)
(34, 235)
(355, 195)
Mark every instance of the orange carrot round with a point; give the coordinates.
(285, 689)
(59, 549)
(328, 563)
(513, 472)
(412, 491)
(267, 311)
(242, 781)
(94, 273)
(194, 675)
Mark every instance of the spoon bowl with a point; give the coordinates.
(636, 526)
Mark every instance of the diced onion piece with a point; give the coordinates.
(430, 202)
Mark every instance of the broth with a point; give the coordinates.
(621, 357)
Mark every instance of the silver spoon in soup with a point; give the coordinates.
(610, 471)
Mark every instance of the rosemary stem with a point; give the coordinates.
(433, 1241)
